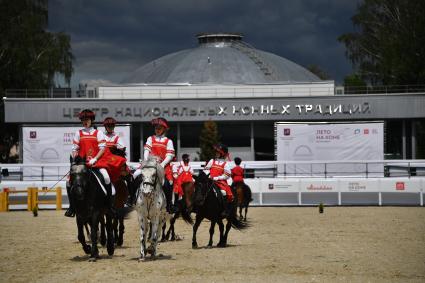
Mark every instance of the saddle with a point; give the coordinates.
(101, 181)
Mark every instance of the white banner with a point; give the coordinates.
(53, 145)
(328, 142)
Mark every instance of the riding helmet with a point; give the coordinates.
(222, 149)
(160, 122)
(109, 121)
(87, 114)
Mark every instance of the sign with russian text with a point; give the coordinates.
(305, 142)
(43, 145)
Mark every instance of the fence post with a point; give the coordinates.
(3, 202)
(29, 199)
(58, 198)
(34, 198)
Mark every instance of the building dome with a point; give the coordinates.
(221, 58)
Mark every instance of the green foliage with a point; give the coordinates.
(319, 72)
(30, 57)
(354, 80)
(208, 138)
(388, 45)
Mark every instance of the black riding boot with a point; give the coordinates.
(70, 212)
(110, 200)
(168, 195)
(175, 207)
(131, 186)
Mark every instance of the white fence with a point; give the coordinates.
(403, 183)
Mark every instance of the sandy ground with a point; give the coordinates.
(291, 244)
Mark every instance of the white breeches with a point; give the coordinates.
(105, 175)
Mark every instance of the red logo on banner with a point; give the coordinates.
(366, 131)
(399, 186)
(286, 132)
(33, 134)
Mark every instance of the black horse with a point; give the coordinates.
(207, 202)
(183, 204)
(90, 206)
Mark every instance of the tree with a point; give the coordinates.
(319, 72)
(31, 57)
(388, 45)
(208, 138)
(354, 80)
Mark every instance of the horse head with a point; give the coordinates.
(202, 186)
(78, 177)
(152, 176)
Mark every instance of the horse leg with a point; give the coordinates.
(94, 227)
(86, 226)
(195, 229)
(110, 234)
(142, 223)
(228, 226)
(115, 228)
(246, 211)
(102, 231)
(81, 237)
(211, 234)
(240, 212)
(171, 229)
(156, 230)
(164, 237)
(120, 240)
(221, 243)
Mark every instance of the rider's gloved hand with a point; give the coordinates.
(215, 178)
(92, 161)
(163, 164)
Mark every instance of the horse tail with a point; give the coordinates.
(186, 217)
(235, 222)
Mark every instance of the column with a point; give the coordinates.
(252, 140)
(403, 139)
(413, 138)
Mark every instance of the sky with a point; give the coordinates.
(110, 39)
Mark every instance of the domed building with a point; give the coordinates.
(221, 59)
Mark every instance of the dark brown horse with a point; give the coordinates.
(243, 195)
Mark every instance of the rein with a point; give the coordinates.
(56, 183)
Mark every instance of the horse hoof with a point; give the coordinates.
(142, 259)
(92, 259)
(87, 249)
(209, 247)
(221, 245)
(194, 246)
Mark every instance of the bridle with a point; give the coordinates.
(156, 176)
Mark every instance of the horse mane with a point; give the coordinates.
(116, 151)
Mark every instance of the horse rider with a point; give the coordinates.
(89, 143)
(182, 173)
(161, 146)
(220, 171)
(116, 146)
(237, 172)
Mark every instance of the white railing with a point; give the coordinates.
(255, 169)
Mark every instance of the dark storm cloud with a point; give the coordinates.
(110, 39)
